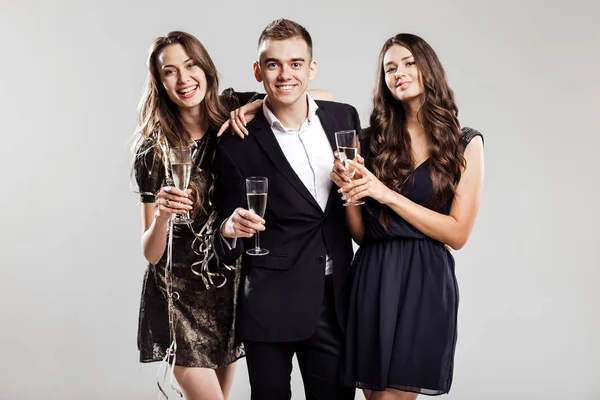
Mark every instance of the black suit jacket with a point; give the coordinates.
(281, 294)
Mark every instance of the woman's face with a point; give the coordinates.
(402, 76)
(182, 78)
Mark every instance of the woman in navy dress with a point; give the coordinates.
(421, 179)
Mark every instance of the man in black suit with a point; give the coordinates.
(293, 300)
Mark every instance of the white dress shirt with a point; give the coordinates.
(309, 153)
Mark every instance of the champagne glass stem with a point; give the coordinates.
(256, 242)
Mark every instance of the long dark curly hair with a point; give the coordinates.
(388, 138)
(159, 120)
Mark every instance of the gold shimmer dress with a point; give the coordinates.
(203, 319)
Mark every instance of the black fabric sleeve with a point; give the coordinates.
(233, 100)
(149, 171)
(229, 194)
(467, 135)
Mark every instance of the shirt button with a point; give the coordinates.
(320, 259)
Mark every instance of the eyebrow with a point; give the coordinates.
(267, 60)
(403, 59)
(172, 66)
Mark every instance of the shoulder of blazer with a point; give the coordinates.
(236, 145)
(230, 142)
(335, 107)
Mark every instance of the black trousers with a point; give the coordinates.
(319, 358)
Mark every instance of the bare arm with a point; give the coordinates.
(154, 233)
(354, 222)
(155, 220)
(319, 94)
(239, 118)
(453, 229)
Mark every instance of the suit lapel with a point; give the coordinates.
(266, 139)
(329, 126)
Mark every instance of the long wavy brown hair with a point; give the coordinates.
(388, 138)
(159, 120)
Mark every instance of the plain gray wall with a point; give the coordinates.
(525, 74)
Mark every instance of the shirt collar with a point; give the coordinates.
(274, 121)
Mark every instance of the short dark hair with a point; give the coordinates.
(282, 29)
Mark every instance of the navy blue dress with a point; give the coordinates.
(401, 331)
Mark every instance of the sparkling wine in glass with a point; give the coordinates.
(256, 193)
(347, 144)
(180, 159)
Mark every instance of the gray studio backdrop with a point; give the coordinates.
(71, 74)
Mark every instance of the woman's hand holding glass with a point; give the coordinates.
(364, 184)
(171, 200)
(340, 175)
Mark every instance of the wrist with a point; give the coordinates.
(223, 229)
(159, 218)
(388, 196)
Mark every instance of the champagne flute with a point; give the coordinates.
(347, 144)
(181, 170)
(256, 193)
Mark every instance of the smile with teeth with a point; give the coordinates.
(285, 87)
(187, 90)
